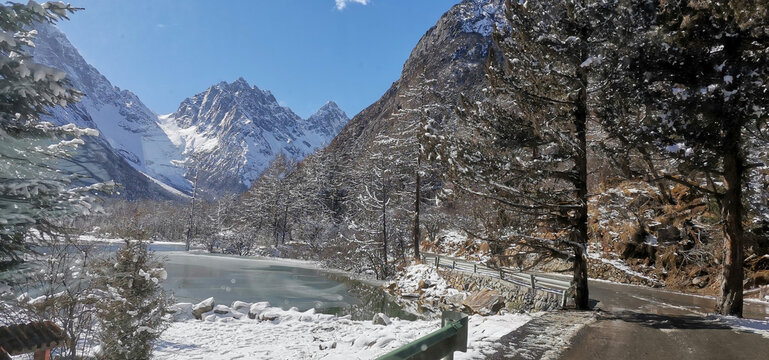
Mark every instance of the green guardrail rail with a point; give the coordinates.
(440, 344)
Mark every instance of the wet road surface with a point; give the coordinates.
(642, 323)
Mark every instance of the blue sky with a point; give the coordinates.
(305, 51)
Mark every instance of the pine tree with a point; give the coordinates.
(701, 76)
(34, 191)
(421, 107)
(525, 145)
(133, 303)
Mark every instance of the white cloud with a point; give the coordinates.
(341, 4)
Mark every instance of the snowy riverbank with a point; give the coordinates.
(290, 334)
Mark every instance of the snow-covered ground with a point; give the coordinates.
(307, 335)
(99, 239)
(749, 325)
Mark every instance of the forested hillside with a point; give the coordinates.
(531, 135)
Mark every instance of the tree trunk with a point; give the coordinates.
(192, 212)
(284, 226)
(417, 197)
(580, 236)
(730, 301)
(384, 237)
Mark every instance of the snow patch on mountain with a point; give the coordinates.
(230, 132)
(481, 16)
(233, 131)
(124, 122)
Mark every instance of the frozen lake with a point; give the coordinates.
(193, 277)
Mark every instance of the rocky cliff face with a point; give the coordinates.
(448, 60)
(230, 132)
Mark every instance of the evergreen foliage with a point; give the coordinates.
(34, 191)
(132, 302)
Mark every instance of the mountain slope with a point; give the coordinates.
(448, 60)
(232, 131)
(131, 148)
(229, 133)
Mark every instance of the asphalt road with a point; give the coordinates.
(643, 323)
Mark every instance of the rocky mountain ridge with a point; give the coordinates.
(229, 133)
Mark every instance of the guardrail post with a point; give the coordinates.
(501, 275)
(475, 268)
(437, 261)
(563, 299)
(533, 281)
(453, 264)
(451, 337)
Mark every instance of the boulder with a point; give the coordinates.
(455, 299)
(203, 307)
(424, 284)
(484, 302)
(257, 308)
(307, 316)
(701, 281)
(221, 310)
(271, 314)
(381, 319)
(240, 306)
(181, 311)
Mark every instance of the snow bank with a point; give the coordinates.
(291, 334)
(432, 284)
(421, 290)
(105, 240)
(749, 325)
(620, 265)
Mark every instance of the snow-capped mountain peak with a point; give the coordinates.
(227, 134)
(328, 120)
(235, 129)
(128, 127)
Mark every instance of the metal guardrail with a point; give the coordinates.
(520, 278)
(440, 344)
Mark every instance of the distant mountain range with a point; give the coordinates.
(231, 131)
(227, 134)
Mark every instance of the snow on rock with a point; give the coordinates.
(481, 16)
(423, 283)
(235, 130)
(181, 312)
(425, 279)
(307, 335)
(257, 308)
(456, 243)
(203, 307)
(381, 319)
(620, 265)
(240, 306)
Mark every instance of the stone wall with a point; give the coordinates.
(517, 297)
